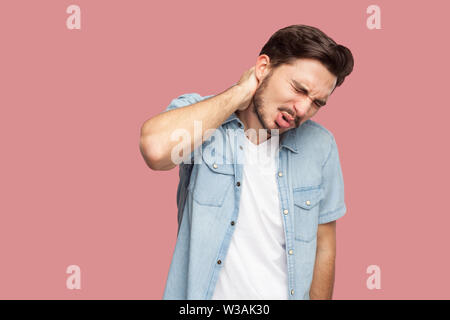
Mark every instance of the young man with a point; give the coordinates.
(248, 230)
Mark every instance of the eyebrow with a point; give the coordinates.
(300, 86)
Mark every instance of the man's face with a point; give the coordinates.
(291, 94)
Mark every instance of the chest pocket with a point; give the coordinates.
(214, 179)
(306, 211)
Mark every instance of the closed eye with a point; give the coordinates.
(299, 90)
(304, 92)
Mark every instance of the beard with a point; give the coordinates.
(258, 106)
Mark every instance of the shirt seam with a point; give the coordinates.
(334, 213)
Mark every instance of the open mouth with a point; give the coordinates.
(284, 119)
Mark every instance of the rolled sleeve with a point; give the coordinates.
(332, 206)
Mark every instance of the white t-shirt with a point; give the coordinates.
(255, 265)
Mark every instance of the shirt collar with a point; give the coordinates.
(232, 117)
(287, 140)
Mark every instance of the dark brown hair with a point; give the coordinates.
(302, 41)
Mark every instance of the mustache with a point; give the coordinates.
(297, 120)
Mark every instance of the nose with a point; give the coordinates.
(302, 107)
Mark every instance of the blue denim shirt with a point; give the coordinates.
(310, 188)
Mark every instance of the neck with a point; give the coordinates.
(251, 121)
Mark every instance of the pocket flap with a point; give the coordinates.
(217, 162)
(307, 199)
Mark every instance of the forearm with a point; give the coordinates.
(156, 132)
(323, 278)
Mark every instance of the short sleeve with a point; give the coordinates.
(332, 205)
(184, 100)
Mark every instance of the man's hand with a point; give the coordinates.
(156, 144)
(249, 83)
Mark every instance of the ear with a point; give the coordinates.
(262, 67)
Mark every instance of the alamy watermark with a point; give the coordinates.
(221, 146)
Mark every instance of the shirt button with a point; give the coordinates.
(238, 183)
(291, 251)
(308, 202)
(219, 262)
(240, 147)
(285, 211)
(215, 166)
(240, 125)
(280, 174)
(232, 223)
(292, 292)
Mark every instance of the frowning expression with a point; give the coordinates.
(292, 93)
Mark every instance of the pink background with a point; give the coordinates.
(75, 189)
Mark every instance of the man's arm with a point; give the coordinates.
(323, 278)
(332, 207)
(155, 142)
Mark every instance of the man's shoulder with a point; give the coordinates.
(315, 132)
(193, 96)
(314, 139)
(186, 99)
